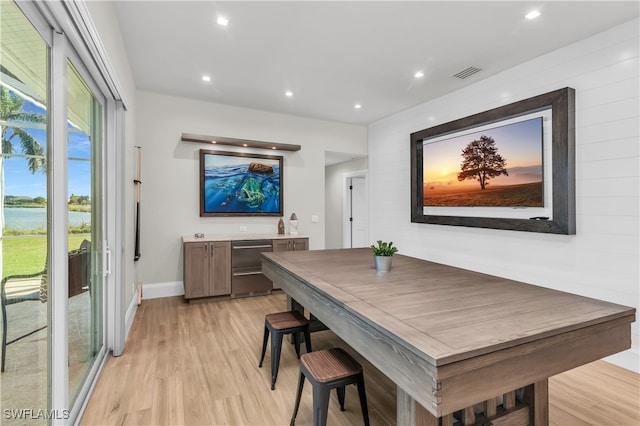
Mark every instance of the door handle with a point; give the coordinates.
(251, 247)
(240, 274)
(107, 260)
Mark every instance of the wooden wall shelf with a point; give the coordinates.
(218, 140)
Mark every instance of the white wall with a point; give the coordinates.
(170, 192)
(334, 200)
(602, 259)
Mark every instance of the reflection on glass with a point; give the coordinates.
(23, 219)
(85, 229)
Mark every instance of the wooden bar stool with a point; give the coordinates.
(328, 369)
(279, 324)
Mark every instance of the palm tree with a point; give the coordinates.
(11, 111)
(12, 117)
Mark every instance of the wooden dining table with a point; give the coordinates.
(459, 345)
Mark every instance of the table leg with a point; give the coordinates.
(315, 325)
(293, 305)
(536, 396)
(409, 412)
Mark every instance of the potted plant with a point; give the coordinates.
(382, 255)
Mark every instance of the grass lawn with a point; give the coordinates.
(26, 254)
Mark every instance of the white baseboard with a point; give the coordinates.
(157, 290)
(130, 315)
(629, 359)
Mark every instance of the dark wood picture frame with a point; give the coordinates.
(244, 185)
(562, 104)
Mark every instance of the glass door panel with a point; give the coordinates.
(24, 229)
(84, 171)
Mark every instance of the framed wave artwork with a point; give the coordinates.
(240, 184)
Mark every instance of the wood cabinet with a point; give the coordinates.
(289, 244)
(213, 267)
(207, 269)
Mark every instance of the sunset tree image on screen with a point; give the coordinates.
(482, 161)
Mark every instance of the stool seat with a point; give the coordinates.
(329, 369)
(330, 364)
(277, 325)
(285, 320)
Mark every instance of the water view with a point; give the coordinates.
(33, 218)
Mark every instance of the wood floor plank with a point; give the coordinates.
(197, 364)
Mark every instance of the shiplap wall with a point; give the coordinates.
(602, 259)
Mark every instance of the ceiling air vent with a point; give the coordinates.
(466, 73)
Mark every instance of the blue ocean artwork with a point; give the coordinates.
(246, 188)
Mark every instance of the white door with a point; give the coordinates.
(359, 217)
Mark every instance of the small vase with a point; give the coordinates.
(383, 263)
(293, 223)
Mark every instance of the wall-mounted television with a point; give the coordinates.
(527, 151)
(500, 166)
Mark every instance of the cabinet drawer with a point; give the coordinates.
(249, 282)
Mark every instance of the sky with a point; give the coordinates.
(519, 143)
(18, 180)
(230, 160)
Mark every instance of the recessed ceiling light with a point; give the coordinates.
(206, 78)
(244, 144)
(419, 74)
(532, 15)
(222, 21)
(357, 106)
(288, 93)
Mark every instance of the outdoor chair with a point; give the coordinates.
(25, 289)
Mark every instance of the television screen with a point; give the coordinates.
(500, 166)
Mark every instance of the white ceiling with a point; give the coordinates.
(334, 54)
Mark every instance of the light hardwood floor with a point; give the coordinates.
(197, 364)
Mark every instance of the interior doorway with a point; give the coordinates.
(356, 210)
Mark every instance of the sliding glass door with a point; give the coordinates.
(52, 117)
(24, 234)
(84, 171)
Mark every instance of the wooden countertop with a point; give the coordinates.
(446, 312)
(449, 337)
(238, 237)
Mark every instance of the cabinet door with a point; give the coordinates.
(299, 244)
(220, 268)
(289, 244)
(196, 270)
(281, 245)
